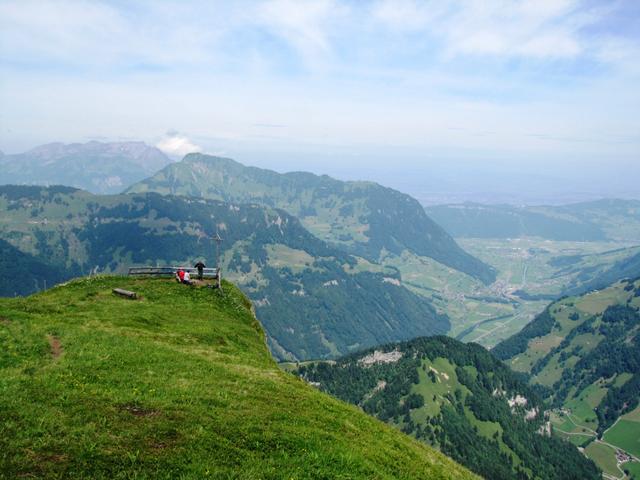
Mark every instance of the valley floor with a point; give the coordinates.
(528, 279)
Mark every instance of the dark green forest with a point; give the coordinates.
(618, 352)
(21, 274)
(516, 449)
(519, 342)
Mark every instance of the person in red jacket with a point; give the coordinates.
(183, 277)
(180, 276)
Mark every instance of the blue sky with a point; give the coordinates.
(329, 84)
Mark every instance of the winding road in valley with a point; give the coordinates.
(498, 327)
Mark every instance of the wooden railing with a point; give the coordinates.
(171, 271)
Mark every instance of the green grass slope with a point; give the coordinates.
(460, 399)
(177, 384)
(364, 218)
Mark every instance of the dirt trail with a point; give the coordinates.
(56, 346)
(578, 425)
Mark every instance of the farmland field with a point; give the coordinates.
(626, 432)
(582, 406)
(604, 456)
(633, 415)
(634, 470)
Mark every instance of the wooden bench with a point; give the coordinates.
(125, 293)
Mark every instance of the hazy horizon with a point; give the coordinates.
(433, 181)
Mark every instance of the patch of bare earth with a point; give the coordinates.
(40, 462)
(4, 320)
(55, 458)
(169, 440)
(138, 411)
(56, 346)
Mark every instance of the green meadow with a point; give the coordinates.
(626, 432)
(176, 384)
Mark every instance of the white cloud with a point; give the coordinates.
(527, 28)
(101, 35)
(394, 71)
(409, 15)
(175, 144)
(304, 24)
(173, 35)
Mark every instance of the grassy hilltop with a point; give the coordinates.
(177, 383)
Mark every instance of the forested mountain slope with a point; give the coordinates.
(314, 300)
(94, 166)
(22, 274)
(607, 219)
(458, 398)
(176, 384)
(362, 217)
(583, 354)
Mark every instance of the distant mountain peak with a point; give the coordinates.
(99, 167)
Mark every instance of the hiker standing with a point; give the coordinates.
(200, 266)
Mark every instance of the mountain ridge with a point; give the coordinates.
(363, 218)
(595, 220)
